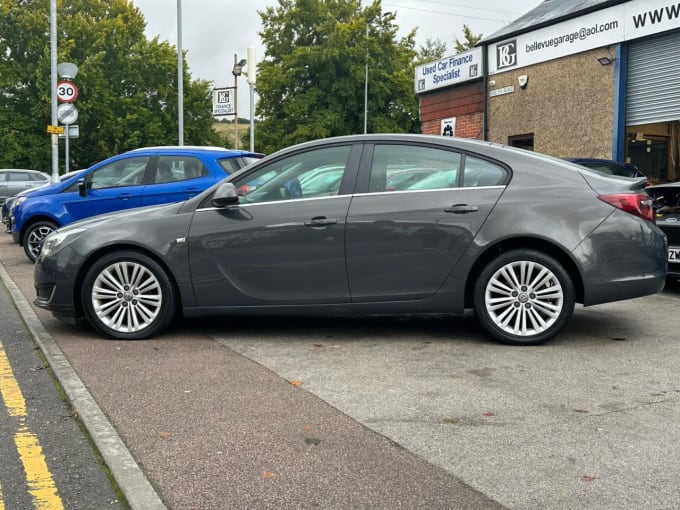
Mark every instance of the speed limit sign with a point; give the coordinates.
(67, 92)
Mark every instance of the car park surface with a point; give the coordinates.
(261, 413)
(517, 236)
(153, 175)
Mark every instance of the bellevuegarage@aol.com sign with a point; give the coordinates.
(623, 22)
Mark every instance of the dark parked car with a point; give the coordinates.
(155, 175)
(611, 167)
(516, 236)
(14, 180)
(667, 205)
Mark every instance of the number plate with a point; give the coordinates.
(673, 254)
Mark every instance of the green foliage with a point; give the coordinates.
(432, 50)
(470, 41)
(311, 81)
(127, 84)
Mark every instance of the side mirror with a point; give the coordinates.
(225, 195)
(82, 188)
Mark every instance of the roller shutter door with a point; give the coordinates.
(653, 93)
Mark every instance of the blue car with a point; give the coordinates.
(137, 178)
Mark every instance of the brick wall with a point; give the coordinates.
(464, 102)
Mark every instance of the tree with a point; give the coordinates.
(311, 81)
(434, 49)
(470, 41)
(127, 84)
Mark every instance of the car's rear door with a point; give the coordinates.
(402, 245)
(178, 177)
(278, 246)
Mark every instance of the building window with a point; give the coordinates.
(525, 141)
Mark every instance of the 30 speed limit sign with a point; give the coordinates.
(67, 92)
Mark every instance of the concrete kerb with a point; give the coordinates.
(132, 482)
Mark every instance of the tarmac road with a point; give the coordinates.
(211, 429)
(392, 413)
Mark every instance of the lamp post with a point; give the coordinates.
(252, 79)
(180, 77)
(366, 75)
(237, 71)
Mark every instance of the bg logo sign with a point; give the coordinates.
(506, 54)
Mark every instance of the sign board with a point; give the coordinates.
(67, 92)
(502, 91)
(449, 70)
(223, 101)
(72, 130)
(623, 22)
(448, 127)
(67, 113)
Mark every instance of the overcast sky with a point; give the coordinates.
(214, 30)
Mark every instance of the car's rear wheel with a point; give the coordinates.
(34, 236)
(128, 296)
(524, 297)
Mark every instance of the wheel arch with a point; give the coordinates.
(32, 221)
(541, 245)
(106, 250)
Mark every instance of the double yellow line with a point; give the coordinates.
(38, 477)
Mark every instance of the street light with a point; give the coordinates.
(366, 75)
(237, 71)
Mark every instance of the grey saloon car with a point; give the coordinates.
(516, 236)
(14, 180)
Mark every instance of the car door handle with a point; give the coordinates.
(320, 221)
(461, 209)
(124, 196)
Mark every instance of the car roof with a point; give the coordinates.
(191, 149)
(22, 170)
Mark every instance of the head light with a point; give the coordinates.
(58, 239)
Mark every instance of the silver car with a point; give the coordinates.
(518, 237)
(14, 180)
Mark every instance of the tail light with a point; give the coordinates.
(637, 204)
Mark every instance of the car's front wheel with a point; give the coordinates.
(35, 235)
(127, 295)
(524, 297)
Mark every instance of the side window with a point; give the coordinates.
(178, 168)
(18, 177)
(407, 167)
(480, 172)
(124, 172)
(314, 173)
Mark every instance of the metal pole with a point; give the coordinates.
(53, 85)
(235, 104)
(366, 85)
(180, 76)
(67, 129)
(252, 117)
(252, 78)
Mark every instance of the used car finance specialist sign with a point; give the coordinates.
(449, 70)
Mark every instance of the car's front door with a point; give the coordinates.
(402, 245)
(113, 187)
(278, 246)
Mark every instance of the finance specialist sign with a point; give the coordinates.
(449, 71)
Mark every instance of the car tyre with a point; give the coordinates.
(35, 235)
(127, 295)
(524, 297)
